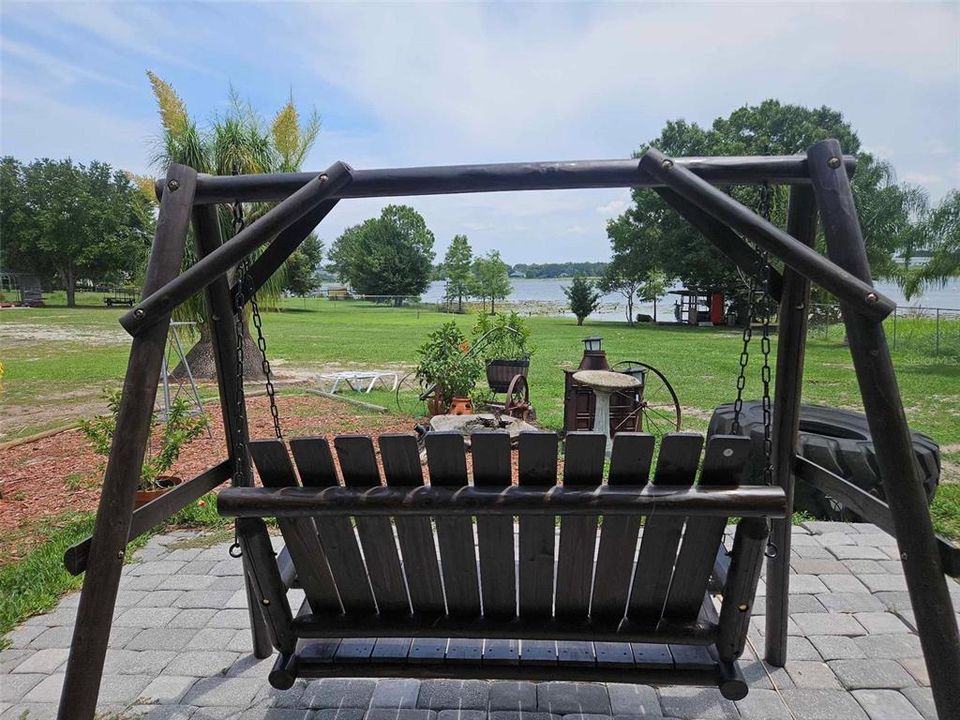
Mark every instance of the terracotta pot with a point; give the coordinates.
(460, 406)
(165, 483)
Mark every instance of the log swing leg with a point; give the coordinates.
(100, 584)
(929, 597)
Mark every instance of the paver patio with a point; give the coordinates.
(180, 650)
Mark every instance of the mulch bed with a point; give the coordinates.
(44, 479)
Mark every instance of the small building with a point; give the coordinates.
(699, 307)
(339, 292)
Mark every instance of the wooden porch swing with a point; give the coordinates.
(438, 579)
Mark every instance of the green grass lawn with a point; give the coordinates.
(61, 358)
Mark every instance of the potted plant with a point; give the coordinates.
(448, 366)
(180, 428)
(503, 342)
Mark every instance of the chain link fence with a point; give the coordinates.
(927, 332)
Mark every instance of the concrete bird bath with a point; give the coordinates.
(604, 383)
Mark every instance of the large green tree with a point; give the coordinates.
(456, 269)
(634, 259)
(300, 276)
(583, 297)
(73, 221)
(770, 128)
(490, 278)
(389, 256)
(940, 236)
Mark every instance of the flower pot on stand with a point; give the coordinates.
(460, 406)
(163, 485)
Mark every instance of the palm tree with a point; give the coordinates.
(236, 141)
(940, 232)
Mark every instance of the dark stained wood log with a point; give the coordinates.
(787, 396)
(399, 182)
(841, 283)
(501, 652)
(656, 501)
(546, 630)
(300, 534)
(467, 651)
(401, 468)
(315, 464)
(676, 466)
(740, 587)
(446, 460)
(582, 467)
(495, 535)
(358, 463)
(265, 580)
(427, 650)
(78, 699)
(164, 299)
(629, 465)
(391, 650)
(155, 512)
(723, 464)
(537, 463)
(929, 597)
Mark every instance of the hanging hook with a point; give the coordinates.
(771, 551)
(235, 550)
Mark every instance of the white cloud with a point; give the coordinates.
(614, 207)
(920, 178)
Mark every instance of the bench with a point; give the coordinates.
(569, 577)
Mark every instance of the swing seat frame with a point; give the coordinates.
(463, 595)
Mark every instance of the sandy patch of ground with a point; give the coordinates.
(12, 334)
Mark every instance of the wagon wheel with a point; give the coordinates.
(412, 397)
(517, 402)
(659, 406)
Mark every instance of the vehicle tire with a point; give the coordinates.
(838, 440)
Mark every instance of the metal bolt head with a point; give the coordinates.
(872, 298)
(265, 601)
(742, 607)
(138, 313)
(173, 184)
(120, 555)
(833, 163)
(323, 178)
(667, 164)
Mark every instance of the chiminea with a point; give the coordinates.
(593, 357)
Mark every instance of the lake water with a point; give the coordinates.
(546, 297)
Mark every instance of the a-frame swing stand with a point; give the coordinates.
(819, 185)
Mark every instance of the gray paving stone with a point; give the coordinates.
(798, 604)
(407, 714)
(564, 698)
(31, 711)
(221, 691)
(137, 582)
(55, 637)
(251, 666)
(43, 661)
(762, 705)
(822, 527)
(235, 619)
(156, 567)
(272, 697)
(225, 567)
(922, 699)
(120, 636)
(836, 647)
(587, 716)
(198, 567)
(833, 539)
(14, 687)
(161, 639)
(462, 715)
(396, 693)
(145, 617)
(201, 663)
(517, 715)
(799, 648)
(800, 584)
(183, 554)
(453, 694)
(339, 693)
(812, 704)
(858, 552)
(815, 552)
(884, 581)
(123, 689)
(64, 616)
(842, 583)
(827, 624)
(23, 635)
(917, 667)
(850, 602)
(212, 639)
(879, 623)
(696, 702)
(633, 699)
(895, 600)
(241, 642)
(214, 713)
(871, 674)
(160, 598)
(886, 705)
(339, 714)
(137, 662)
(167, 689)
(226, 582)
(212, 599)
(812, 674)
(194, 618)
(894, 647)
(13, 657)
(275, 714)
(865, 567)
(819, 567)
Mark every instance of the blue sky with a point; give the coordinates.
(400, 84)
